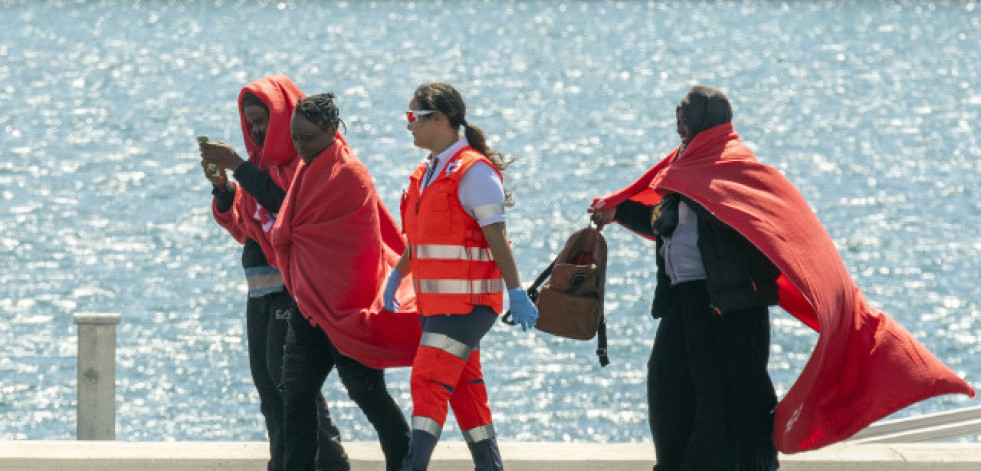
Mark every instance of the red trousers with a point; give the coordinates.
(440, 378)
(446, 374)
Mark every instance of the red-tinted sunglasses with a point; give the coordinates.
(413, 115)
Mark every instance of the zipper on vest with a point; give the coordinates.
(419, 200)
(419, 197)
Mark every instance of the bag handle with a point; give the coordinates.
(533, 289)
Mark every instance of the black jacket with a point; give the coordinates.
(738, 275)
(262, 187)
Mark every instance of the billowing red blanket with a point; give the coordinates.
(865, 366)
(336, 244)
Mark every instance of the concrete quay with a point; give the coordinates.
(366, 456)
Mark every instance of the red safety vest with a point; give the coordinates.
(452, 267)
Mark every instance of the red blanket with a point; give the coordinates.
(276, 156)
(865, 365)
(336, 244)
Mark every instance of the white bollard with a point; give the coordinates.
(96, 409)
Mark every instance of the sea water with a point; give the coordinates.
(870, 108)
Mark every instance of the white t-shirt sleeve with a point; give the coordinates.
(481, 194)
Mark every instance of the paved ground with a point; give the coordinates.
(453, 456)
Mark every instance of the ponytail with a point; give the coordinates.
(475, 136)
(479, 143)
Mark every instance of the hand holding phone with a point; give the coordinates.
(211, 170)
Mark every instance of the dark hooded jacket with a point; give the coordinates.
(738, 275)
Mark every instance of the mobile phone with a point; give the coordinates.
(213, 170)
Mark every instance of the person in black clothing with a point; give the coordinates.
(240, 208)
(711, 399)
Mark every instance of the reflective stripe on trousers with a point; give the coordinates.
(446, 344)
(427, 425)
(479, 433)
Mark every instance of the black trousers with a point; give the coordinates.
(710, 396)
(266, 327)
(308, 358)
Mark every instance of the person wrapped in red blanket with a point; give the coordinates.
(864, 366)
(335, 244)
(246, 208)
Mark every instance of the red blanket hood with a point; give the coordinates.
(247, 218)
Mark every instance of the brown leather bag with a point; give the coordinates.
(570, 303)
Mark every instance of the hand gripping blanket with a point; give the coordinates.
(864, 366)
(336, 244)
(247, 218)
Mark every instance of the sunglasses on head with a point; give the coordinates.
(413, 115)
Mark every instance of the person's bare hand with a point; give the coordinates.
(216, 175)
(221, 154)
(602, 216)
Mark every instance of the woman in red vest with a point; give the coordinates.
(461, 264)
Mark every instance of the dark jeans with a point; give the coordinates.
(266, 326)
(309, 358)
(710, 396)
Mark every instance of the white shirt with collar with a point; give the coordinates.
(481, 190)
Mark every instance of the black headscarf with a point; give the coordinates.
(704, 108)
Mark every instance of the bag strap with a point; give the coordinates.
(601, 351)
(601, 343)
(533, 289)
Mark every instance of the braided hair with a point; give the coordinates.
(444, 98)
(321, 110)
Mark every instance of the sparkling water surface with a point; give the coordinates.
(870, 108)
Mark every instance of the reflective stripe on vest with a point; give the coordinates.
(451, 252)
(459, 286)
(452, 266)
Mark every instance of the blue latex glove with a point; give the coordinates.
(523, 311)
(394, 279)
